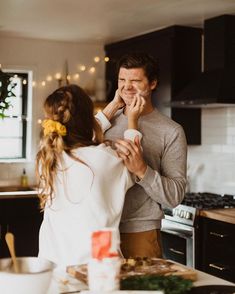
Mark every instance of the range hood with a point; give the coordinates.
(215, 87)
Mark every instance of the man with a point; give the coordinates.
(159, 165)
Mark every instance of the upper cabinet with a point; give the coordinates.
(178, 52)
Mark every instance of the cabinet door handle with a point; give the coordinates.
(218, 235)
(176, 251)
(221, 268)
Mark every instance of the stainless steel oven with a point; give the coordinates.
(178, 235)
(180, 229)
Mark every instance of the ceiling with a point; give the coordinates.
(102, 21)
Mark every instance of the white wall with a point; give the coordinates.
(44, 58)
(211, 166)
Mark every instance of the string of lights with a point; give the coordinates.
(68, 77)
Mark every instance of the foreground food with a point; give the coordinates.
(140, 267)
(170, 284)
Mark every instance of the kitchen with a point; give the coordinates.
(210, 164)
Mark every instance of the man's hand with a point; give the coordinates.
(132, 156)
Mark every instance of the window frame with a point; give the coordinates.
(26, 117)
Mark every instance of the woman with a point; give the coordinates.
(82, 181)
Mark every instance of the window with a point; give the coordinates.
(15, 128)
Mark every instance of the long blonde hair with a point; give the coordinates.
(73, 109)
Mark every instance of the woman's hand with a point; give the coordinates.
(118, 100)
(135, 110)
(113, 106)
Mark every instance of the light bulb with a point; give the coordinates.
(82, 68)
(92, 69)
(76, 76)
(49, 78)
(96, 59)
(58, 76)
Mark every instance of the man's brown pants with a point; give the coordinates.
(141, 244)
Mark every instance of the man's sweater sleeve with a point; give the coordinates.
(167, 186)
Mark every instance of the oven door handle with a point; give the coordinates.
(176, 251)
(181, 235)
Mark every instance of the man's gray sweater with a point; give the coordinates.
(165, 152)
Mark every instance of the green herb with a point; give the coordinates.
(7, 87)
(169, 284)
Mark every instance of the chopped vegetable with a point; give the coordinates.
(170, 284)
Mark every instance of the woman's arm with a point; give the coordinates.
(104, 116)
(116, 104)
(134, 111)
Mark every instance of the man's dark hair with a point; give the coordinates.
(140, 60)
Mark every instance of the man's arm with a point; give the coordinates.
(168, 185)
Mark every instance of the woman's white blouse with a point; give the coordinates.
(88, 196)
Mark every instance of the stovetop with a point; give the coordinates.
(187, 211)
(209, 200)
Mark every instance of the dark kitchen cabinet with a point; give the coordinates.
(22, 217)
(177, 50)
(217, 248)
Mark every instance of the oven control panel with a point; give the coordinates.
(181, 214)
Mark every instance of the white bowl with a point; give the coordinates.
(34, 276)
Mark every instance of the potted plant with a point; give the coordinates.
(6, 91)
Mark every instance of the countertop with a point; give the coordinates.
(225, 215)
(10, 192)
(63, 283)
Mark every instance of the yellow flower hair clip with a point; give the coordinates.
(51, 126)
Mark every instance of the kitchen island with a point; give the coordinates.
(63, 283)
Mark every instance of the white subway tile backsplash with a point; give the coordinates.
(208, 139)
(215, 131)
(10, 173)
(217, 153)
(215, 113)
(229, 149)
(218, 126)
(231, 131)
(4, 173)
(214, 122)
(231, 111)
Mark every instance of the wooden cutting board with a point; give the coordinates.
(141, 266)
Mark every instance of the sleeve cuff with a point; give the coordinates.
(148, 178)
(130, 134)
(104, 122)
